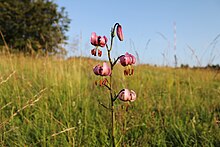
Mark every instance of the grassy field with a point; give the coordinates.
(50, 102)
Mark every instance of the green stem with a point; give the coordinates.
(112, 114)
(110, 88)
(109, 58)
(113, 35)
(113, 64)
(112, 103)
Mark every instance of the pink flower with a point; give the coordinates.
(102, 41)
(98, 40)
(127, 95)
(127, 59)
(104, 70)
(119, 33)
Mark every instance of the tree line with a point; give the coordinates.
(208, 66)
(33, 26)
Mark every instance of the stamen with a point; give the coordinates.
(99, 53)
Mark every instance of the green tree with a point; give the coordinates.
(33, 26)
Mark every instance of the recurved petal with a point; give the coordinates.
(133, 96)
(106, 70)
(102, 41)
(133, 59)
(97, 70)
(124, 95)
(94, 39)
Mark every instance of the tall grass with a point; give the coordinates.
(51, 102)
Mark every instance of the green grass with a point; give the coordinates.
(50, 102)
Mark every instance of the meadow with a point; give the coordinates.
(55, 102)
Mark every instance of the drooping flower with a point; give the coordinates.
(104, 70)
(102, 41)
(127, 95)
(127, 59)
(120, 33)
(98, 40)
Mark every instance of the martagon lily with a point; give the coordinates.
(97, 41)
(127, 95)
(127, 59)
(104, 70)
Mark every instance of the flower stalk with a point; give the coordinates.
(111, 91)
(112, 99)
(104, 70)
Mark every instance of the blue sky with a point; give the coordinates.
(148, 27)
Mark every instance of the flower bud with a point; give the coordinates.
(120, 33)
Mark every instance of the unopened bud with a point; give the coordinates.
(120, 33)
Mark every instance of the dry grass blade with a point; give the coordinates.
(4, 41)
(4, 81)
(55, 134)
(6, 105)
(29, 103)
(193, 53)
(66, 130)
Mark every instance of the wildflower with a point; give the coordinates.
(119, 32)
(127, 59)
(98, 40)
(102, 41)
(104, 70)
(127, 95)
